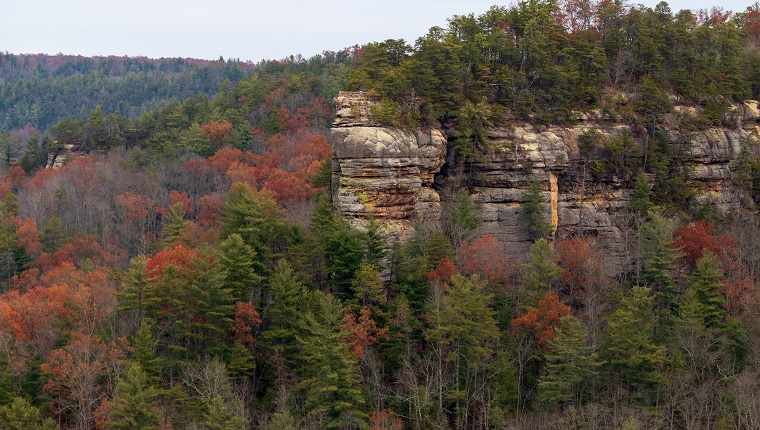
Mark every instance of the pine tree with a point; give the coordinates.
(462, 330)
(570, 365)
(236, 260)
(705, 282)
(22, 415)
(374, 243)
(144, 352)
(629, 347)
(533, 212)
(281, 317)
(640, 201)
(131, 295)
(257, 219)
(132, 407)
(368, 288)
(658, 253)
(463, 218)
(541, 273)
(330, 377)
(174, 224)
(211, 304)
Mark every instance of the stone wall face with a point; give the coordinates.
(388, 174)
(400, 176)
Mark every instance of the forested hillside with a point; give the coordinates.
(40, 90)
(185, 267)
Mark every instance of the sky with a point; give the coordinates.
(249, 30)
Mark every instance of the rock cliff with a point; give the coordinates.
(399, 176)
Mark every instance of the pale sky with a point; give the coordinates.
(249, 30)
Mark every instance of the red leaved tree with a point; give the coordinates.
(362, 332)
(540, 322)
(487, 257)
(245, 321)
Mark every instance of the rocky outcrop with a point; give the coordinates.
(394, 175)
(388, 174)
(574, 203)
(66, 153)
(352, 109)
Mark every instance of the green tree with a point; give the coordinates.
(540, 273)
(257, 219)
(236, 260)
(131, 295)
(706, 284)
(174, 224)
(629, 348)
(22, 415)
(144, 352)
(533, 211)
(658, 253)
(288, 301)
(473, 129)
(330, 378)
(132, 407)
(368, 288)
(571, 364)
(52, 236)
(462, 330)
(462, 218)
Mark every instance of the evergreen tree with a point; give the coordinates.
(211, 303)
(368, 288)
(220, 416)
(462, 331)
(281, 317)
(374, 242)
(132, 407)
(640, 200)
(629, 348)
(330, 377)
(658, 253)
(174, 224)
(705, 282)
(131, 295)
(52, 236)
(533, 211)
(462, 219)
(144, 353)
(236, 260)
(570, 365)
(22, 415)
(541, 272)
(257, 219)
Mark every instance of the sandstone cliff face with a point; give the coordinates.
(388, 174)
(398, 176)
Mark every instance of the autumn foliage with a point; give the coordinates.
(442, 273)
(540, 322)
(693, 239)
(362, 332)
(487, 257)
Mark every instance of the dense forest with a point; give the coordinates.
(185, 267)
(37, 91)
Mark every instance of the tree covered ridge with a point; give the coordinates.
(542, 60)
(190, 272)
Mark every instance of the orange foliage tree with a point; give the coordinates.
(442, 273)
(540, 322)
(694, 238)
(486, 256)
(245, 320)
(580, 261)
(80, 376)
(362, 332)
(218, 131)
